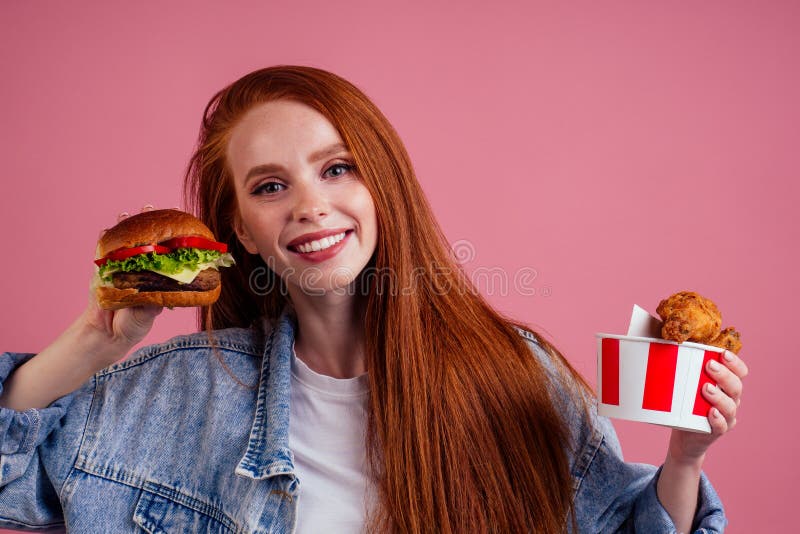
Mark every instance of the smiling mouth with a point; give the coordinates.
(319, 244)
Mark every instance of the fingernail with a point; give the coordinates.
(713, 365)
(711, 388)
(728, 356)
(715, 413)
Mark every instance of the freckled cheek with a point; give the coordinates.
(361, 203)
(364, 209)
(270, 235)
(263, 227)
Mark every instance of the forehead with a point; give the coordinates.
(276, 132)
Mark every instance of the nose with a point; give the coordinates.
(311, 204)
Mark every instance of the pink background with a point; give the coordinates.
(624, 150)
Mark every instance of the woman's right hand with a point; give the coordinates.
(125, 327)
(97, 339)
(122, 328)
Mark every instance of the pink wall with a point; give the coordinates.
(624, 150)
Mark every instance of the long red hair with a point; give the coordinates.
(463, 435)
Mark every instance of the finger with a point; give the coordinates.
(144, 315)
(123, 215)
(96, 312)
(735, 364)
(147, 207)
(717, 422)
(726, 379)
(721, 402)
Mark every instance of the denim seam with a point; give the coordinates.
(144, 359)
(587, 458)
(257, 444)
(34, 421)
(261, 401)
(17, 522)
(83, 440)
(159, 350)
(175, 496)
(122, 476)
(200, 506)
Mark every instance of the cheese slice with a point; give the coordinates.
(187, 276)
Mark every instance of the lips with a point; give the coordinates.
(319, 251)
(315, 236)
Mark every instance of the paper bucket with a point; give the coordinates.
(654, 381)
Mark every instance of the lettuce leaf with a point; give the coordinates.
(172, 262)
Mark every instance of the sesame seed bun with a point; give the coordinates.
(151, 227)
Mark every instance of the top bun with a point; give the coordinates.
(150, 227)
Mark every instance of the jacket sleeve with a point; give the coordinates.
(37, 450)
(611, 495)
(616, 496)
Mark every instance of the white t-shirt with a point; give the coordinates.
(327, 428)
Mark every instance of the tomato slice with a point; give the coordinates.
(195, 242)
(124, 253)
(164, 248)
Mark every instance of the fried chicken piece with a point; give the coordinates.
(689, 316)
(728, 339)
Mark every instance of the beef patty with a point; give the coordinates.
(150, 281)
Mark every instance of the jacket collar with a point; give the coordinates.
(268, 451)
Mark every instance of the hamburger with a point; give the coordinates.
(160, 257)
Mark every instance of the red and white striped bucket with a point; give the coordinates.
(654, 380)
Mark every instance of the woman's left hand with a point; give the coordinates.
(689, 447)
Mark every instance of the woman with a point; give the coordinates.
(414, 406)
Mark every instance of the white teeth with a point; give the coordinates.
(321, 244)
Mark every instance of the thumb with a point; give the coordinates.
(145, 315)
(134, 323)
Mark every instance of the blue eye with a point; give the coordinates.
(344, 167)
(268, 188)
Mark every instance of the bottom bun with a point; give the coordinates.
(111, 298)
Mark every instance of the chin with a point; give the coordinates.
(316, 282)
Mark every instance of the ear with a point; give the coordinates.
(243, 234)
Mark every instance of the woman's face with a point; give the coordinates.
(301, 204)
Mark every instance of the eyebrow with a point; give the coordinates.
(274, 167)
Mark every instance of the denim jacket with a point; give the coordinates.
(168, 442)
